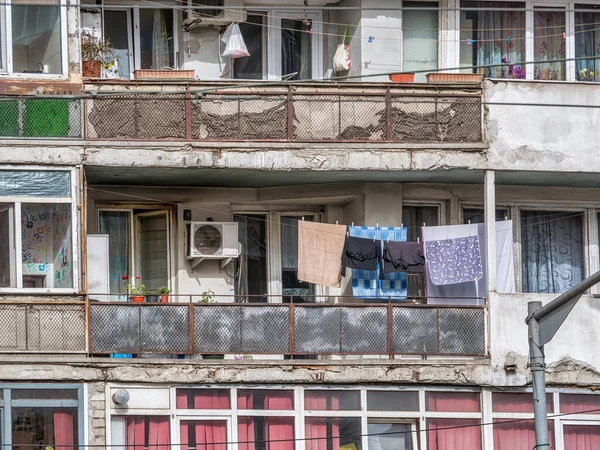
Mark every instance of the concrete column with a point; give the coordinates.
(490, 251)
(383, 204)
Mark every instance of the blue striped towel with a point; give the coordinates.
(366, 283)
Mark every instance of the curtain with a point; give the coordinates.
(453, 401)
(518, 435)
(447, 438)
(210, 434)
(246, 437)
(211, 399)
(576, 403)
(135, 428)
(316, 427)
(289, 242)
(505, 402)
(552, 251)
(581, 437)
(160, 43)
(549, 44)
(64, 431)
(116, 225)
(587, 44)
(158, 433)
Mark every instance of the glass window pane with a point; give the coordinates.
(203, 399)
(476, 215)
(392, 401)
(326, 400)
(153, 242)
(299, 291)
(420, 39)
(484, 39)
(254, 433)
(252, 264)
(7, 269)
(265, 399)
(452, 401)
(581, 437)
(552, 250)
(518, 435)
(587, 43)
(203, 434)
(116, 225)
(47, 242)
(144, 432)
(296, 49)
(156, 39)
(339, 433)
(116, 30)
(580, 403)
(36, 34)
(516, 402)
(549, 44)
(391, 436)
(413, 218)
(55, 427)
(463, 434)
(44, 394)
(251, 67)
(42, 183)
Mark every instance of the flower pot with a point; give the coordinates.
(402, 77)
(137, 298)
(152, 298)
(166, 74)
(91, 69)
(454, 77)
(164, 298)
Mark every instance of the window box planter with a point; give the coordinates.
(402, 77)
(165, 74)
(454, 77)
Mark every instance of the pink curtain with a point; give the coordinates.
(280, 430)
(158, 433)
(202, 398)
(516, 402)
(576, 403)
(517, 435)
(581, 437)
(181, 399)
(210, 434)
(246, 437)
(316, 428)
(64, 431)
(135, 428)
(453, 401)
(466, 438)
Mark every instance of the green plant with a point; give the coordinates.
(138, 289)
(164, 290)
(208, 297)
(94, 49)
(153, 292)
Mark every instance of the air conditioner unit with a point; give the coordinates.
(221, 15)
(212, 240)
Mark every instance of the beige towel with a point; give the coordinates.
(320, 247)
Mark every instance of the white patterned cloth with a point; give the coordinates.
(452, 261)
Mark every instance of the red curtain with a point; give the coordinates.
(202, 398)
(576, 403)
(245, 424)
(316, 427)
(453, 401)
(64, 431)
(466, 438)
(516, 402)
(581, 437)
(158, 433)
(278, 431)
(517, 435)
(135, 427)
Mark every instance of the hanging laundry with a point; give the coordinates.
(505, 256)
(452, 261)
(403, 257)
(366, 283)
(320, 247)
(361, 253)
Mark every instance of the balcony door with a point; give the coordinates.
(152, 249)
(7, 244)
(117, 29)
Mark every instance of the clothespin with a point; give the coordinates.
(388, 239)
(469, 222)
(371, 39)
(402, 225)
(564, 35)
(309, 31)
(418, 240)
(376, 225)
(352, 223)
(336, 222)
(469, 41)
(302, 218)
(508, 39)
(424, 224)
(505, 218)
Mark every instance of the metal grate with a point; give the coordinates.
(40, 118)
(265, 329)
(364, 330)
(114, 328)
(217, 329)
(42, 328)
(316, 329)
(415, 331)
(165, 329)
(462, 331)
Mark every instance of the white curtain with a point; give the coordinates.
(160, 41)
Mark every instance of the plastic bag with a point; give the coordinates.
(341, 58)
(234, 42)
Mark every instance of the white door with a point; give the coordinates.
(152, 249)
(7, 247)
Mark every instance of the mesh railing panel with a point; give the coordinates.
(413, 119)
(316, 329)
(364, 330)
(42, 328)
(40, 118)
(114, 328)
(459, 119)
(362, 118)
(217, 329)
(462, 331)
(266, 329)
(414, 330)
(165, 329)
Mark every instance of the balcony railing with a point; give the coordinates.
(290, 116)
(102, 328)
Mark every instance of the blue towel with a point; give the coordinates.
(366, 283)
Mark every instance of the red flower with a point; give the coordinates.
(124, 277)
(138, 278)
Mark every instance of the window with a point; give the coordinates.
(552, 250)
(549, 44)
(157, 46)
(205, 434)
(117, 225)
(587, 43)
(252, 263)
(253, 31)
(36, 40)
(420, 39)
(464, 434)
(141, 432)
(484, 38)
(328, 400)
(452, 401)
(203, 399)
(265, 399)
(392, 401)
(216, 12)
(477, 215)
(292, 288)
(117, 29)
(385, 435)
(580, 404)
(581, 437)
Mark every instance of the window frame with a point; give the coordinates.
(135, 12)
(130, 33)
(6, 46)
(17, 202)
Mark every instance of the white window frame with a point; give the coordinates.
(17, 202)
(6, 51)
(274, 41)
(128, 12)
(136, 32)
(217, 417)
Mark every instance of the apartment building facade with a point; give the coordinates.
(102, 180)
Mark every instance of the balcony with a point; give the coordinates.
(101, 328)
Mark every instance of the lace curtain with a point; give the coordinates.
(160, 41)
(587, 44)
(552, 251)
(549, 44)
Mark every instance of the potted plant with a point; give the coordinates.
(402, 77)
(136, 291)
(152, 296)
(164, 294)
(209, 297)
(96, 54)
